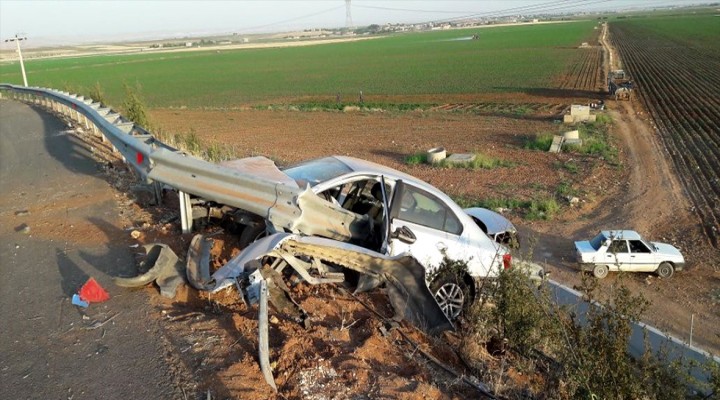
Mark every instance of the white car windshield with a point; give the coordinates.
(317, 171)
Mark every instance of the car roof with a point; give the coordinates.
(622, 234)
(364, 166)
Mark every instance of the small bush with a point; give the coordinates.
(544, 209)
(520, 312)
(97, 94)
(569, 166)
(415, 159)
(565, 189)
(480, 161)
(134, 108)
(540, 142)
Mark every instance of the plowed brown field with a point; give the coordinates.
(680, 87)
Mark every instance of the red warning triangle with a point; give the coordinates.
(92, 292)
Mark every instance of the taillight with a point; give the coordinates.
(507, 260)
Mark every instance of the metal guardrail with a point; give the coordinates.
(287, 208)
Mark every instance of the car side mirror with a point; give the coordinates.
(404, 234)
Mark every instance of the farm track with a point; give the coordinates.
(679, 87)
(586, 74)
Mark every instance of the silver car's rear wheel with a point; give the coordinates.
(600, 271)
(665, 270)
(450, 297)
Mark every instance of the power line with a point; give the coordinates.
(292, 19)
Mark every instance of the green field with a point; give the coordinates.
(503, 59)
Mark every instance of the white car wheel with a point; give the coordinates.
(665, 270)
(600, 271)
(451, 299)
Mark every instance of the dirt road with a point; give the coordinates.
(650, 200)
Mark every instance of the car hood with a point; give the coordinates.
(666, 249)
(494, 222)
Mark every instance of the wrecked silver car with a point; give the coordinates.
(389, 213)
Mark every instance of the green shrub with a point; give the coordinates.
(540, 142)
(480, 161)
(544, 209)
(415, 159)
(134, 108)
(97, 94)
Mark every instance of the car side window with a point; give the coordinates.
(618, 246)
(637, 246)
(422, 208)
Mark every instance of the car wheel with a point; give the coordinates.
(452, 294)
(600, 271)
(665, 270)
(252, 233)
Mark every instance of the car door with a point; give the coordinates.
(433, 227)
(618, 256)
(642, 257)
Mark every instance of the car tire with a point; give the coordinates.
(252, 233)
(600, 271)
(665, 270)
(452, 293)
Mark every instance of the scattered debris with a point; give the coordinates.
(23, 228)
(77, 301)
(165, 269)
(135, 234)
(22, 213)
(99, 324)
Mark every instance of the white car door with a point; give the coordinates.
(643, 258)
(618, 256)
(435, 228)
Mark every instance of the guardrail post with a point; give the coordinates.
(157, 191)
(185, 212)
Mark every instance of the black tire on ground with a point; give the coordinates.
(665, 270)
(252, 233)
(454, 294)
(600, 271)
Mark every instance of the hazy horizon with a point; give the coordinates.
(57, 23)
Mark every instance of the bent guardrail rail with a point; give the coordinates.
(287, 208)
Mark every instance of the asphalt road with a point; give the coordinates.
(50, 349)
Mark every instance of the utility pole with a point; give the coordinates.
(17, 40)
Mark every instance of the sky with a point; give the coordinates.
(82, 21)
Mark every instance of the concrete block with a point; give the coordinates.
(460, 158)
(571, 135)
(557, 143)
(568, 119)
(579, 110)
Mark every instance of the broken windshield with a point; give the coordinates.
(316, 171)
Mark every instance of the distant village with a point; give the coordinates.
(326, 33)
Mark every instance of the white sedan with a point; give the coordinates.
(625, 250)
